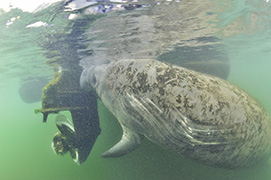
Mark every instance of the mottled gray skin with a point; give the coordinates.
(203, 117)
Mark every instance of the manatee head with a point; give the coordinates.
(87, 79)
(91, 76)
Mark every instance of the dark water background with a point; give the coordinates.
(25, 141)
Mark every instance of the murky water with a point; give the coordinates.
(242, 27)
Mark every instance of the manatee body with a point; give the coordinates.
(200, 116)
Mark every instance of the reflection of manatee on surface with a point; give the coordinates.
(145, 29)
(31, 89)
(187, 36)
(206, 59)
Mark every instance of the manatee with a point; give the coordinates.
(197, 115)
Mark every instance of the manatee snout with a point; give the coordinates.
(87, 78)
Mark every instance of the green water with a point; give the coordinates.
(25, 152)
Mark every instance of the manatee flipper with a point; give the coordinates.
(129, 141)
